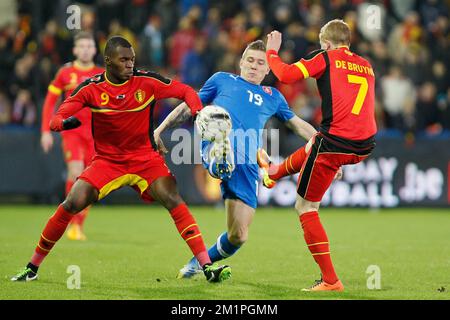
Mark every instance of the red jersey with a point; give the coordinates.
(66, 80)
(346, 83)
(122, 114)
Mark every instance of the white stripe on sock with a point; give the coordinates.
(219, 248)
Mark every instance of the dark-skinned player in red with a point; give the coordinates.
(122, 101)
(346, 83)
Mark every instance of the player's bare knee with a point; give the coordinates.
(172, 200)
(76, 202)
(302, 206)
(238, 237)
(71, 206)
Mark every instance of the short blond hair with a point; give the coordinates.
(337, 32)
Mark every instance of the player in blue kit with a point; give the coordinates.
(249, 105)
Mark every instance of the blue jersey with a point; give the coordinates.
(249, 105)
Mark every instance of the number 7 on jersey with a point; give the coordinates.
(362, 92)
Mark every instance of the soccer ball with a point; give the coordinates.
(213, 123)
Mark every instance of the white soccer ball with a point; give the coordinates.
(213, 123)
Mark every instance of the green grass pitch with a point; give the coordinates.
(134, 252)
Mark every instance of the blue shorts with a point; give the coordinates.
(242, 185)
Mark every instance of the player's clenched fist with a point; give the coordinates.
(273, 41)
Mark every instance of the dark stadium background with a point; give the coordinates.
(190, 40)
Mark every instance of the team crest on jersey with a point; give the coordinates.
(267, 90)
(139, 95)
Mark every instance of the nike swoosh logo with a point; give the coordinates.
(28, 278)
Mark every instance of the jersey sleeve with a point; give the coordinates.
(77, 100)
(312, 65)
(54, 90)
(284, 113)
(167, 88)
(57, 85)
(209, 90)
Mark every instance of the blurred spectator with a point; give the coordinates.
(181, 42)
(212, 24)
(24, 110)
(414, 64)
(201, 7)
(431, 10)
(296, 41)
(22, 77)
(5, 109)
(379, 58)
(151, 42)
(427, 112)
(403, 36)
(398, 99)
(116, 28)
(438, 39)
(256, 22)
(401, 8)
(237, 33)
(7, 59)
(440, 77)
(197, 64)
(444, 109)
(411, 35)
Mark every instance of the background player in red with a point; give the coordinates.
(122, 101)
(346, 83)
(77, 144)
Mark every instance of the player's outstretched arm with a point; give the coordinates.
(287, 73)
(178, 116)
(301, 128)
(63, 119)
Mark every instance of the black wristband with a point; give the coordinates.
(71, 123)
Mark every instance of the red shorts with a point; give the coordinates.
(77, 147)
(139, 172)
(322, 162)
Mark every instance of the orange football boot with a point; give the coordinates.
(321, 285)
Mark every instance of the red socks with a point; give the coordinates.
(53, 231)
(317, 241)
(291, 165)
(189, 231)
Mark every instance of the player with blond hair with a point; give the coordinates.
(346, 83)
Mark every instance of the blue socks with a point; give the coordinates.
(221, 249)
